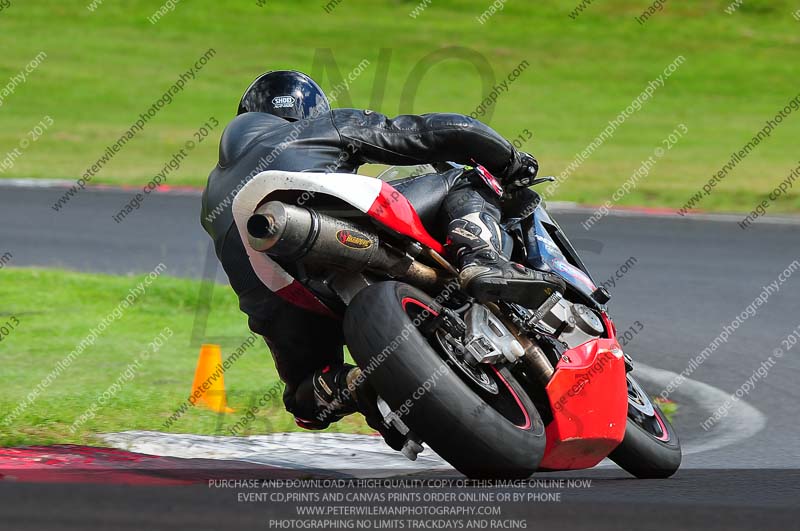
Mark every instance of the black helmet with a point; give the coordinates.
(286, 93)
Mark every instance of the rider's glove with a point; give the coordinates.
(521, 171)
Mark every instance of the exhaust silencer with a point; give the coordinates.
(299, 234)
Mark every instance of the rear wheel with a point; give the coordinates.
(651, 448)
(478, 419)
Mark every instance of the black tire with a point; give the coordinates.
(450, 416)
(644, 452)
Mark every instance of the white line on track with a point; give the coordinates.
(574, 208)
(337, 453)
(742, 421)
(35, 183)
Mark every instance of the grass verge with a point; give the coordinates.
(105, 67)
(55, 311)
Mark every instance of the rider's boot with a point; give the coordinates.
(473, 242)
(325, 397)
(343, 390)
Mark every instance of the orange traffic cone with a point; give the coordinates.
(208, 388)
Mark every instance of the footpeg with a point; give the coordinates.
(413, 445)
(411, 449)
(390, 418)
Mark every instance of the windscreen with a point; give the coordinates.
(395, 173)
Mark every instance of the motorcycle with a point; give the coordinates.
(498, 390)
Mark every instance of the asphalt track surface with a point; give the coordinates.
(690, 278)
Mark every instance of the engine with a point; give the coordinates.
(574, 324)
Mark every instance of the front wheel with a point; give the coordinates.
(651, 448)
(478, 419)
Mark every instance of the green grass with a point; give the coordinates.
(106, 67)
(56, 310)
(668, 407)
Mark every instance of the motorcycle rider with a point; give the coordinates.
(285, 122)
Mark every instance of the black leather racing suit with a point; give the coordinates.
(337, 141)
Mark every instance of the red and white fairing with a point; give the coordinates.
(371, 196)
